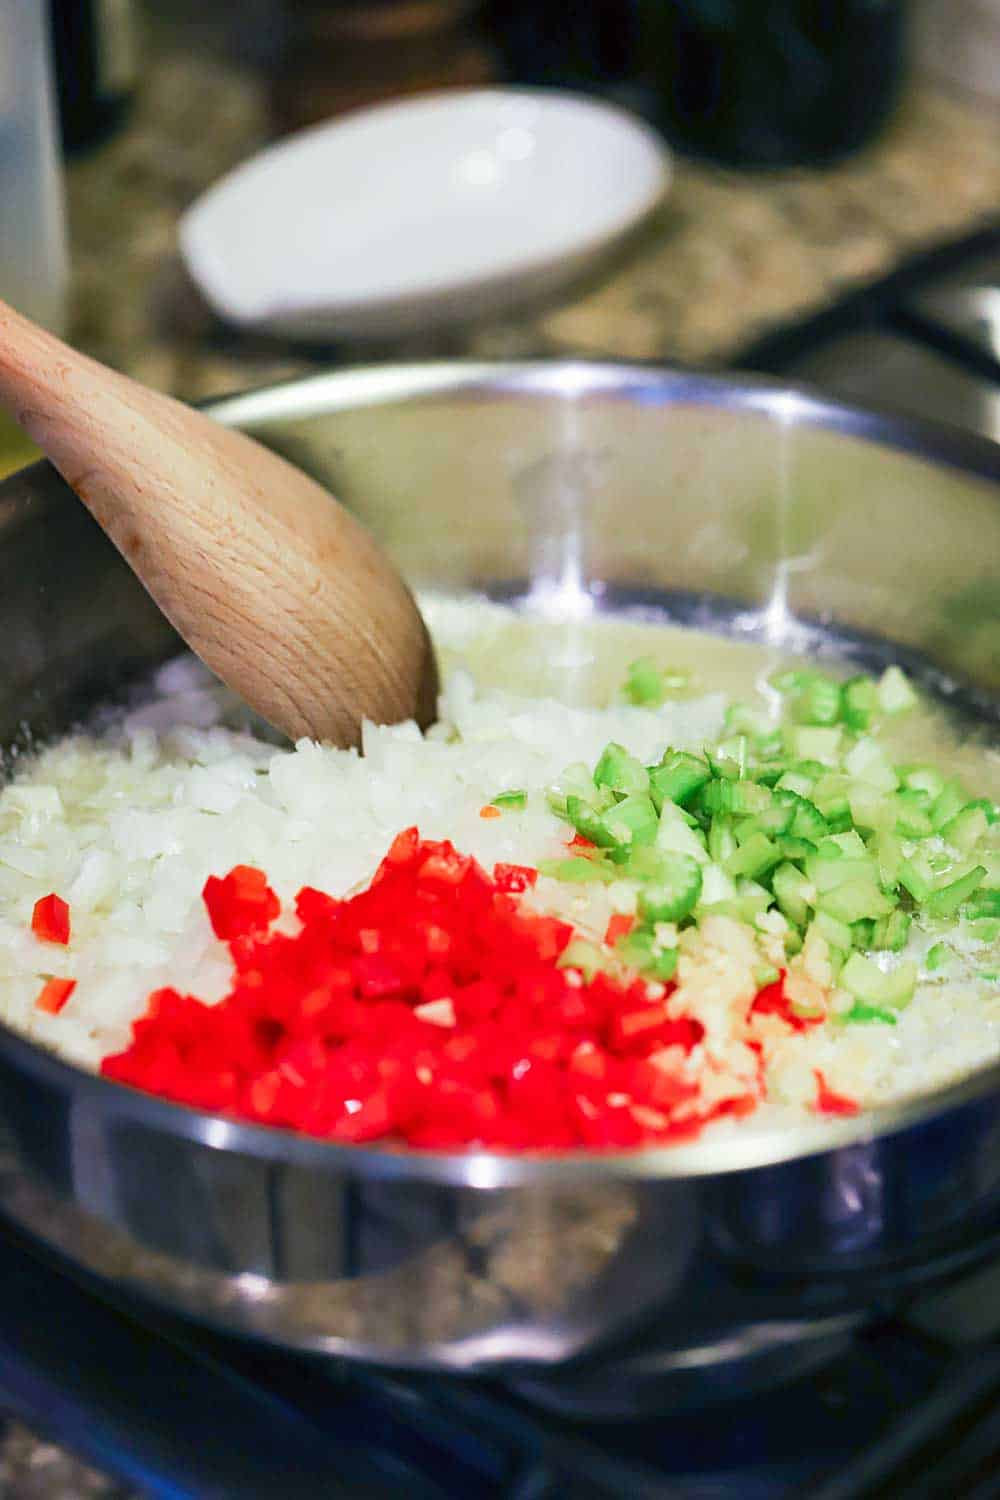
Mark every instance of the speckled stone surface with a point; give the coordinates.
(728, 256)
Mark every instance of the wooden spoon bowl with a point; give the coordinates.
(278, 589)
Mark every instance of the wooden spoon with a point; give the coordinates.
(267, 578)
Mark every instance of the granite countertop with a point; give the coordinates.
(727, 256)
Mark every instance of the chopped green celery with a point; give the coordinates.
(776, 819)
(721, 838)
(794, 893)
(922, 779)
(644, 683)
(766, 974)
(827, 869)
(937, 957)
(795, 848)
(817, 701)
(769, 747)
(891, 932)
(860, 702)
(831, 795)
(793, 942)
(677, 778)
(990, 975)
(814, 769)
(675, 834)
(949, 892)
(991, 809)
(744, 829)
(895, 694)
(917, 875)
(620, 771)
(985, 904)
(515, 800)
(576, 781)
(985, 929)
(716, 886)
(632, 821)
(867, 761)
(621, 854)
(869, 808)
(851, 845)
(911, 814)
(751, 899)
(863, 1014)
(887, 852)
(587, 957)
(589, 823)
(840, 822)
(794, 781)
(856, 898)
(863, 979)
(647, 862)
(689, 818)
(741, 797)
(807, 820)
(755, 857)
(837, 934)
(640, 950)
(721, 766)
(788, 681)
(991, 859)
(674, 893)
(743, 718)
(949, 802)
(809, 742)
(862, 933)
(966, 828)
(736, 748)
(578, 871)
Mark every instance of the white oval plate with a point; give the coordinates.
(429, 210)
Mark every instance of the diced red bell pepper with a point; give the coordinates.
(54, 994)
(828, 1102)
(772, 1000)
(428, 1008)
(50, 919)
(514, 878)
(241, 903)
(619, 926)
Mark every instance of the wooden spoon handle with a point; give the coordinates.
(274, 585)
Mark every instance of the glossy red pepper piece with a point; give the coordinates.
(50, 919)
(54, 994)
(828, 1102)
(772, 1000)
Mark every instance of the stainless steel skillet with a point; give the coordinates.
(726, 502)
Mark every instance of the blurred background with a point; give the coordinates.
(819, 144)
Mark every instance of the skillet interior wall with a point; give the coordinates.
(754, 505)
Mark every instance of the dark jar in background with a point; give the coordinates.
(753, 82)
(96, 66)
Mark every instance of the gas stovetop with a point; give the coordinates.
(911, 1407)
(908, 1407)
